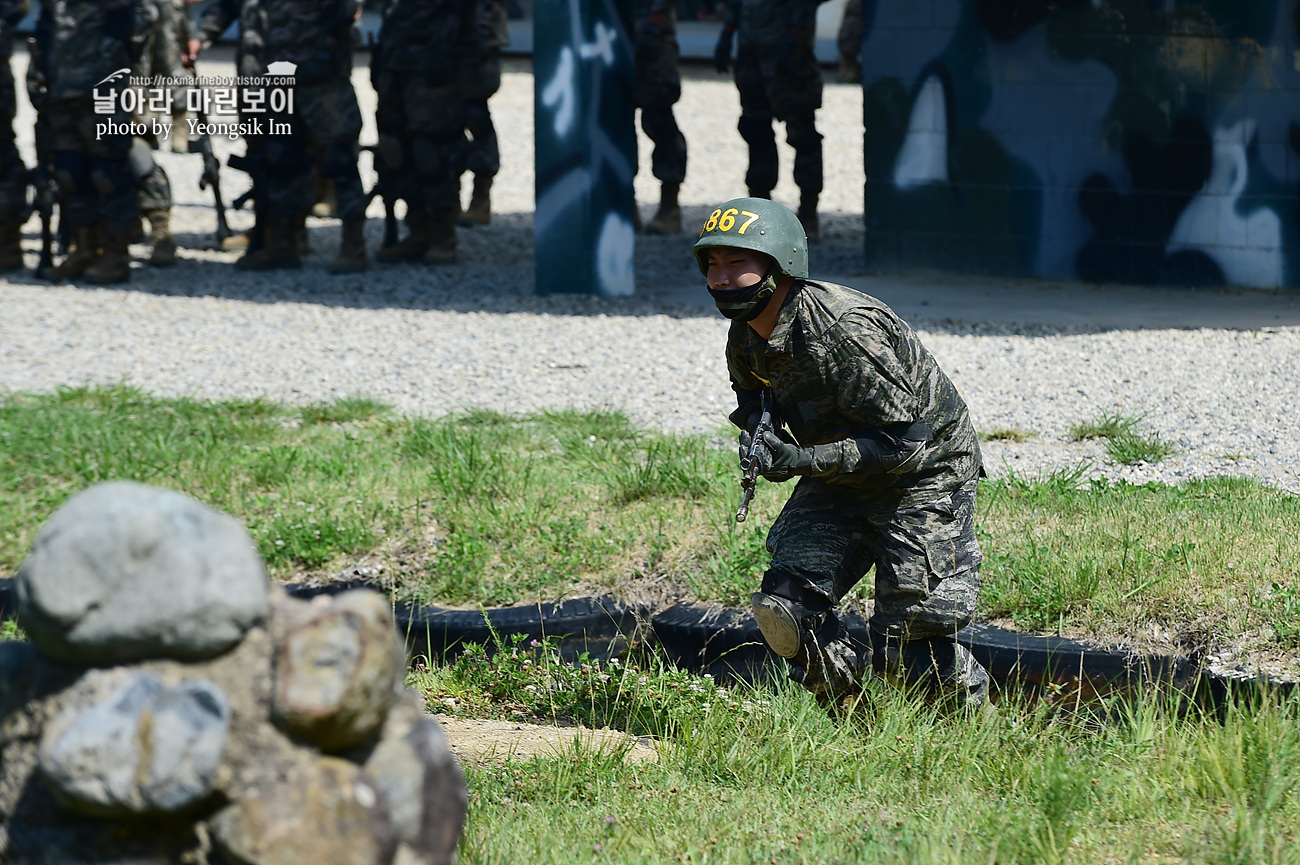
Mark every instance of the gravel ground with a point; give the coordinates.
(434, 340)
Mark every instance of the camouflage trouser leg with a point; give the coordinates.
(93, 171)
(327, 126)
(668, 161)
(482, 154)
(755, 124)
(422, 140)
(926, 559)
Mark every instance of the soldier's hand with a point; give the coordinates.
(778, 460)
(192, 49)
(722, 51)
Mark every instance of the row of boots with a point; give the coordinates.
(98, 255)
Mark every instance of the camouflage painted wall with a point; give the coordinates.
(586, 146)
(1153, 141)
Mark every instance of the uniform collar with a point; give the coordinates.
(780, 338)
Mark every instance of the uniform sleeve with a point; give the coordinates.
(864, 370)
(216, 18)
(747, 386)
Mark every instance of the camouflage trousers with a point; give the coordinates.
(13, 184)
(482, 153)
(658, 88)
(791, 94)
(326, 126)
(421, 139)
(96, 184)
(926, 560)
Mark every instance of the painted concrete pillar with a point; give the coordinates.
(584, 74)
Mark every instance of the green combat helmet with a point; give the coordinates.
(760, 225)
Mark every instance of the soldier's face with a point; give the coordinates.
(731, 268)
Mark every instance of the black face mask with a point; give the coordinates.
(746, 304)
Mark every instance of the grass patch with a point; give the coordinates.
(1007, 434)
(11, 630)
(1124, 445)
(492, 509)
(894, 783)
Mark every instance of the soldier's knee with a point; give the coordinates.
(802, 132)
(754, 128)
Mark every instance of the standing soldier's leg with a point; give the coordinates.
(483, 155)
(75, 193)
(396, 167)
(849, 43)
(755, 125)
(658, 87)
(434, 115)
(13, 184)
(155, 199)
(927, 584)
(285, 187)
(117, 207)
(796, 93)
(329, 116)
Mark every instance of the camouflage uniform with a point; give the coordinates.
(161, 57)
(79, 44)
(13, 173)
(849, 43)
(779, 79)
(316, 35)
(482, 80)
(658, 87)
(841, 365)
(416, 70)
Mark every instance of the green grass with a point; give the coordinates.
(10, 630)
(1007, 434)
(486, 508)
(749, 776)
(1124, 445)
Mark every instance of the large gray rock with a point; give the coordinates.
(331, 813)
(133, 745)
(422, 782)
(339, 665)
(126, 572)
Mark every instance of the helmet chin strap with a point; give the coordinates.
(747, 304)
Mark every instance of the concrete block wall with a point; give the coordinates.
(1148, 141)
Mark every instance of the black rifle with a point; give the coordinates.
(211, 176)
(749, 462)
(382, 189)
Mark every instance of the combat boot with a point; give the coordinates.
(114, 264)
(162, 244)
(352, 248)
(301, 239)
(480, 210)
(669, 218)
(11, 246)
(808, 216)
(442, 237)
(277, 251)
(83, 252)
(413, 246)
(327, 203)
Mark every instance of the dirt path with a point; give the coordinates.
(477, 740)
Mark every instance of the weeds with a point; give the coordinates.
(1007, 434)
(1123, 443)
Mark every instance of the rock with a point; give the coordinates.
(139, 747)
(330, 814)
(422, 782)
(339, 665)
(126, 572)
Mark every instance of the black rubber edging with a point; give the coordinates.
(727, 644)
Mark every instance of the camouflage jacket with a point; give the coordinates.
(11, 12)
(82, 42)
(643, 9)
(432, 38)
(314, 34)
(768, 22)
(841, 363)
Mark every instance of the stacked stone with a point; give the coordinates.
(173, 707)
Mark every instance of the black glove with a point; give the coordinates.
(722, 52)
(778, 460)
